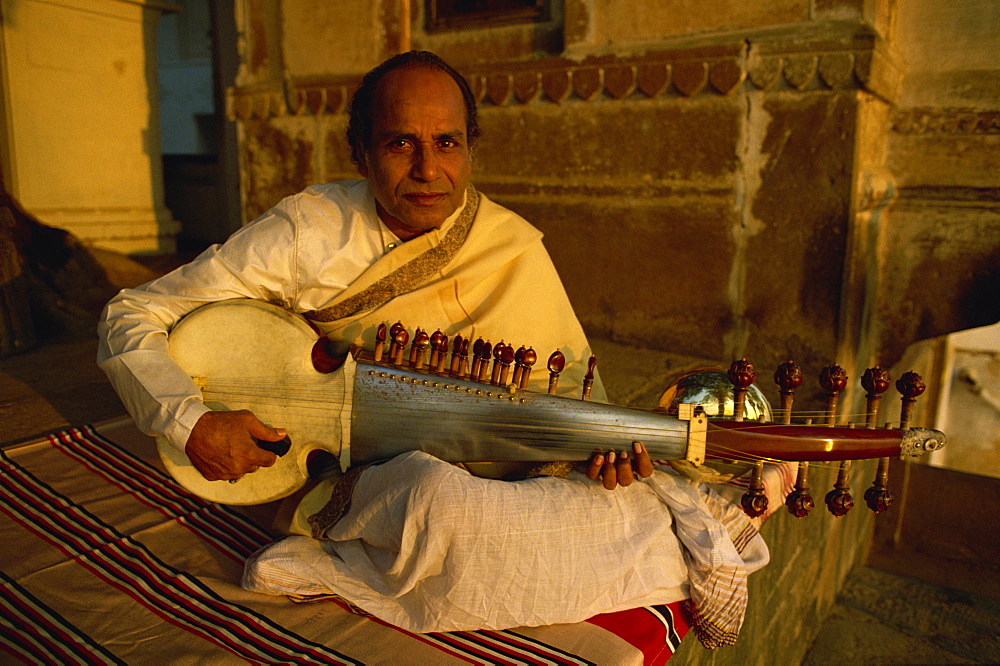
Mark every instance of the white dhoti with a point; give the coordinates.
(428, 547)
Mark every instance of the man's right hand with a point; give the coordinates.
(221, 445)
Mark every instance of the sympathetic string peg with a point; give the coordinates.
(741, 374)
(463, 359)
(393, 345)
(588, 379)
(833, 379)
(910, 385)
(557, 361)
(442, 355)
(400, 340)
(754, 500)
(528, 359)
(839, 500)
(418, 351)
(380, 335)
(788, 377)
(436, 339)
(456, 355)
(419, 335)
(506, 358)
(497, 355)
(799, 501)
(518, 368)
(484, 361)
(477, 358)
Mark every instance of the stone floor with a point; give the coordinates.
(880, 618)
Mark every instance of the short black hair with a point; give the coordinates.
(359, 128)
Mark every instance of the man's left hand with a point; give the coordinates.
(619, 469)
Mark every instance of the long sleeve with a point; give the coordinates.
(257, 262)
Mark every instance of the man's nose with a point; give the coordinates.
(425, 164)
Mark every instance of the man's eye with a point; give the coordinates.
(399, 145)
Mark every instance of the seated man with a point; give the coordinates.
(419, 541)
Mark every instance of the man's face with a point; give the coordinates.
(419, 162)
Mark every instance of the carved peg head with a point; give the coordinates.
(875, 381)
(833, 379)
(788, 376)
(396, 328)
(380, 333)
(529, 357)
(910, 385)
(799, 503)
(878, 498)
(436, 338)
(742, 373)
(754, 503)
(839, 501)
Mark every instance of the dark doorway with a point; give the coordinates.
(197, 61)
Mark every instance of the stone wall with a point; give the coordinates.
(727, 179)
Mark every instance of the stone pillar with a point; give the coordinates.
(80, 119)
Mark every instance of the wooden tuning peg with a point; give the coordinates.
(456, 355)
(418, 350)
(878, 498)
(588, 379)
(518, 368)
(477, 357)
(400, 340)
(788, 377)
(754, 501)
(506, 359)
(557, 361)
(839, 500)
(497, 365)
(463, 359)
(380, 335)
(418, 335)
(741, 374)
(876, 382)
(486, 351)
(528, 359)
(393, 345)
(910, 385)
(442, 355)
(436, 339)
(799, 501)
(833, 379)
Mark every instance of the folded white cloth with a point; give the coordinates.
(428, 547)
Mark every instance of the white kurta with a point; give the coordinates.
(318, 247)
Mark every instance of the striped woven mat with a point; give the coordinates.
(105, 559)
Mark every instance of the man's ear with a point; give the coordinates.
(362, 164)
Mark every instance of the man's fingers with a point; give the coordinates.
(594, 468)
(643, 465)
(609, 474)
(624, 469)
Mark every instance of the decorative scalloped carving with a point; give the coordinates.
(653, 79)
(619, 82)
(799, 70)
(719, 71)
(836, 68)
(690, 77)
(764, 72)
(556, 85)
(946, 121)
(587, 83)
(726, 76)
(527, 86)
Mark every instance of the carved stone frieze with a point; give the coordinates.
(678, 74)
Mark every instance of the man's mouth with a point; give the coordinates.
(424, 198)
